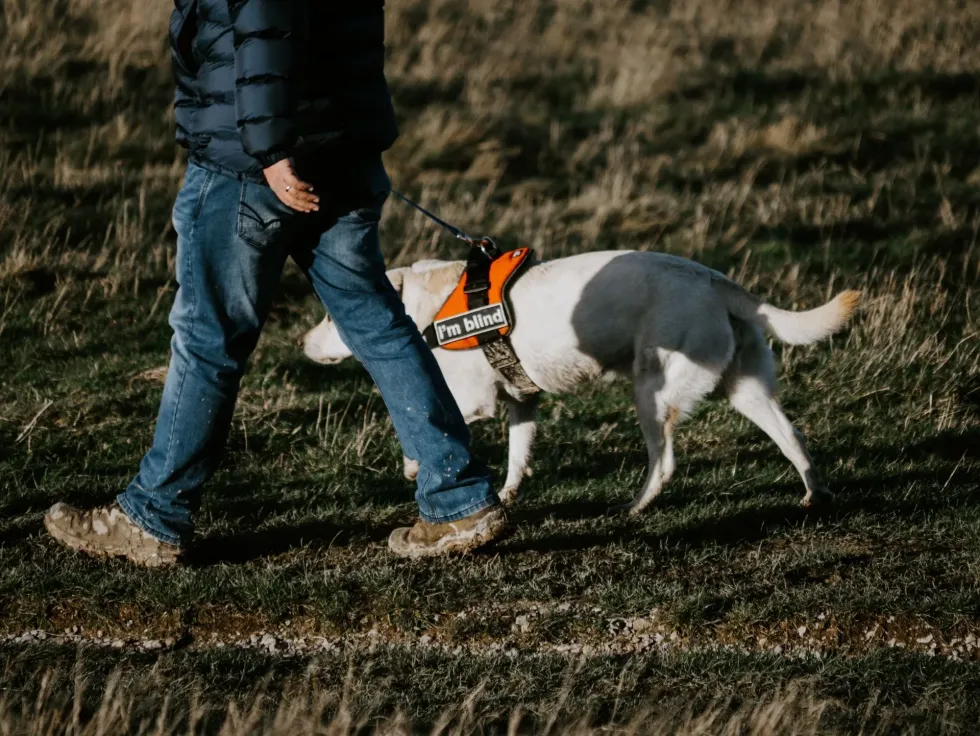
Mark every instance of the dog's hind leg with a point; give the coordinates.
(522, 418)
(750, 384)
(661, 401)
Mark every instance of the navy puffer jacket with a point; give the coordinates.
(261, 80)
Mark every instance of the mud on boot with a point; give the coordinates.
(107, 532)
(451, 537)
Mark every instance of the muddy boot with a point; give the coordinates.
(452, 537)
(108, 532)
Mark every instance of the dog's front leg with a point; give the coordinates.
(522, 418)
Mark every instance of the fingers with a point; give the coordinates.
(291, 181)
(300, 201)
(292, 192)
(298, 194)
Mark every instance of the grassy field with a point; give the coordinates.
(802, 147)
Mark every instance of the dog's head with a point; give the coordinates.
(423, 288)
(323, 344)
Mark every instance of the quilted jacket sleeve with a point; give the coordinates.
(266, 60)
(183, 28)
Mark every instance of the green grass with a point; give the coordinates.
(800, 157)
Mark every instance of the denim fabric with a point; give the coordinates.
(233, 238)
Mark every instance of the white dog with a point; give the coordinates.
(680, 329)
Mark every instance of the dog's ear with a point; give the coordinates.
(397, 278)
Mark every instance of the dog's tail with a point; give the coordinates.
(792, 328)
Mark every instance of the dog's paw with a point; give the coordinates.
(508, 496)
(818, 497)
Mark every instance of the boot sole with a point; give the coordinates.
(79, 544)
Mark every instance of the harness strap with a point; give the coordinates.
(477, 278)
(502, 358)
(498, 350)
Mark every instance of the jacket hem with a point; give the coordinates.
(269, 159)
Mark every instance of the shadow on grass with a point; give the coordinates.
(868, 495)
(882, 496)
(751, 525)
(40, 103)
(249, 546)
(948, 445)
(18, 532)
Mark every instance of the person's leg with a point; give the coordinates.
(230, 254)
(229, 258)
(347, 271)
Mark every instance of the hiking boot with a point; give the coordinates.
(449, 538)
(108, 532)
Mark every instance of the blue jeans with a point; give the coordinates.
(233, 238)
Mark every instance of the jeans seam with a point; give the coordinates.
(193, 321)
(205, 188)
(474, 508)
(240, 231)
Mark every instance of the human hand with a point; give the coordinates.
(292, 192)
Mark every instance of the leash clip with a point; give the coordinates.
(483, 252)
(487, 247)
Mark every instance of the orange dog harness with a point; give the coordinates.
(477, 313)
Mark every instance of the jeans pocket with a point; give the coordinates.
(261, 215)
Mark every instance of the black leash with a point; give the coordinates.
(485, 244)
(442, 223)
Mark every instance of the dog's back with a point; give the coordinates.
(582, 316)
(596, 301)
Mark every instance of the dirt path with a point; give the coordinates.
(532, 630)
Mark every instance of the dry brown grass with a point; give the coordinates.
(299, 711)
(480, 85)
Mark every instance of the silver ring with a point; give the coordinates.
(288, 188)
